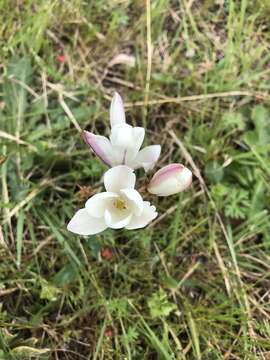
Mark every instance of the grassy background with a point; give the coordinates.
(195, 285)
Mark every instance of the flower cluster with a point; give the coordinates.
(121, 206)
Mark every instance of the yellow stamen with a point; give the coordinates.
(119, 204)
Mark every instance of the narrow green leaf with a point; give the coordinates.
(19, 236)
(194, 336)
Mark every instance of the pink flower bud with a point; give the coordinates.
(170, 179)
(61, 58)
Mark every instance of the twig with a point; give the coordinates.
(149, 53)
(60, 89)
(42, 244)
(4, 292)
(179, 100)
(69, 113)
(10, 137)
(24, 86)
(45, 96)
(24, 202)
(188, 273)
(221, 265)
(173, 208)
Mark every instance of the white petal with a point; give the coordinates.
(121, 135)
(147, 157)
(135, 144)
(100, 145)
(148, 214)
(134, 200)
(84, 224)
(126, 142)
(119, 177)
(169, 180)
(97, 204)
(118, 156)
(117, 219)
(117, 112)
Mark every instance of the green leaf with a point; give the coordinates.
(251, 138)
(170, 282)
(48, 291)
(214, 171)
(260, 136)
(260, 117)
(233, 120)
(66, 275)
(218, 191)
(237, 203)
(159, 305)
(19, 74)
(258, 200)
(119, 306)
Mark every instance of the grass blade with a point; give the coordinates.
(19, 236)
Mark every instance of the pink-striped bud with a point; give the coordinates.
(170, 179)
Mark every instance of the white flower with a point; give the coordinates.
(170, 179)
(121, 206)
(125, 142)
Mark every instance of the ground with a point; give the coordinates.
(195, 283)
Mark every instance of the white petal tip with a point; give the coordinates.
(83, 223)
(148, 157)
(100, 145)
(117, 112)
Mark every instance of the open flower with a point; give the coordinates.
(170, 179)
(121, 206)
(125, 142)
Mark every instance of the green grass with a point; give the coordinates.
(195, 285)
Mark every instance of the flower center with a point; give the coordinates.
(119, 204)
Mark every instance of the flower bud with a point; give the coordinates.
(170, 179)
